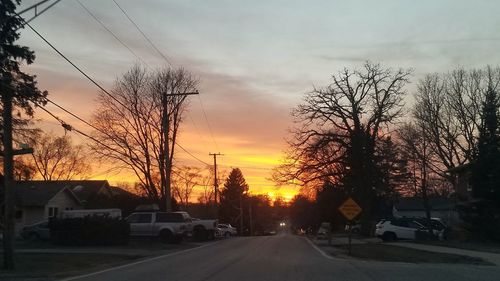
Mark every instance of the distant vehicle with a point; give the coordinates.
(405, 228)
(323, 231)
(36, 231)
(168, 227)
(226, 230)
(356, 227)
(112, 213)
(269, 232)
(202, 229)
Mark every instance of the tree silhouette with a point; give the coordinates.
(485, 177)
(19, 92)
(233, 196)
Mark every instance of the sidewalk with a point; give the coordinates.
(491, 257)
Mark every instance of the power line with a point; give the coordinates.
(208, 123)
(143, 34)
(110, 32)
(199, 160)
(73, 64)
(94, 82)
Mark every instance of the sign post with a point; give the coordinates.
(350, 209)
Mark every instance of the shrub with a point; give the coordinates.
(89, 231)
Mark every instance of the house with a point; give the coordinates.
(94, 194)
(441, 207)
(461, 175)
(39, 200)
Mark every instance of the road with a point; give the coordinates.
(283, 257)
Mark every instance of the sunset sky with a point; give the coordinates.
(254, 61)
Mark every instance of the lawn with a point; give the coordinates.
(384, 252)
(50, 266)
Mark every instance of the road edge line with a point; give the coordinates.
(138, 262)
(319, 250)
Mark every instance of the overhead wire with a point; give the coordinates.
(168, 61)
(142, 33)
(93, 82)
(110, 32)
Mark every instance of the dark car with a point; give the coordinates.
(36, 231)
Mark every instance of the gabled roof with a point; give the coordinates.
(86, 189)
(417, 203)
(39, 193)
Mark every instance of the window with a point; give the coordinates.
(169, 217)
(53, 211)
(139, 218)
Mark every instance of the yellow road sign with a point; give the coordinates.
(350, 209)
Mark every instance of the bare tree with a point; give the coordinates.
(184, 181)
(57, 158)
(448, 109)
(138, 125)
(207, 184)
(338, 127)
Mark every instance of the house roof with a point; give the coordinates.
(118, 191)
(417, 203)
(86, 189)
(29, 193)
(39, 192)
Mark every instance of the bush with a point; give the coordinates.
(89, 231)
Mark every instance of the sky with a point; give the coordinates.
(255, 60)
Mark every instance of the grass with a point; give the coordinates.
(48, 266)
(384, 252)
(490, 247)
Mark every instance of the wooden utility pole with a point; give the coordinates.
(165, 168)
(8, 151)
(216, 181)
(9, 192)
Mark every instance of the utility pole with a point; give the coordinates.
(9, 192)
(8, 157)
(216, 182)
(165, 167)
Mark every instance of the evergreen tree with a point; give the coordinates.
(18, 93)
(485, 177)
(13, 81)
(232, 197)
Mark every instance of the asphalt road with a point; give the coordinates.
(283, 257)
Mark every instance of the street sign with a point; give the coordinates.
(350, 209)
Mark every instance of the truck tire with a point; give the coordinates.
(200, 233)
(166, 236)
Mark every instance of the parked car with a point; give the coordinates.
(323, 231)
(168, 227)
(36, 231)
(405, 228)
(356, 227)
(226, 230)
(202, 229)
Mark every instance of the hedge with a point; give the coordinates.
(89, 231)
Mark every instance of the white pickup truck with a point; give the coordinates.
(168, 227)
(203, 229)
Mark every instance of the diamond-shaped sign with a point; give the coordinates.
(350, 209)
